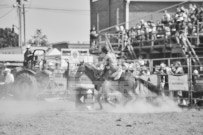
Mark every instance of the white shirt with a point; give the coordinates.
(110, 59)
(9, 78)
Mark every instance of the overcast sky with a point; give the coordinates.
(72, 25)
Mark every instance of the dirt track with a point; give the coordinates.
(60, 118)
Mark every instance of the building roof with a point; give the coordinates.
(166, 1)
(11, 57)
(53, 52)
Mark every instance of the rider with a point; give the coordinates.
(110, 62)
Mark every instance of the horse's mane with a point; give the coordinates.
(89, 70)
(90, 66)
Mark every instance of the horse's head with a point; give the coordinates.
(81, 69)
(88, 69)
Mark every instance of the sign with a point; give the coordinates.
(74, 57)
(178, 83)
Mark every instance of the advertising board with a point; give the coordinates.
(74, 57)
(178, 82)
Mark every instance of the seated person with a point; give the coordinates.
(27, 56)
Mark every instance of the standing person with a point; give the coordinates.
(93, 37)
(166, 18)
(9, 79)
(110, 63)
(2, 78)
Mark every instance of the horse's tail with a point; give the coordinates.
(150, 86)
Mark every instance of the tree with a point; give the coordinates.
(8, 38)
(38, 39)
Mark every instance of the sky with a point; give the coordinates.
(71, 25)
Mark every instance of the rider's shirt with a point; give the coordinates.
(110, 60)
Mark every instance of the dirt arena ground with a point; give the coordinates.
(59, 117)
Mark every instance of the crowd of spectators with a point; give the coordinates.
(174, 69)
(179, 25)
(141, 67)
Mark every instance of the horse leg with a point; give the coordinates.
(98, 98)
(108, 101)
(105, 90)
(127, 97)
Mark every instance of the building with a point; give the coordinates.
(67, 45)
(108, 13)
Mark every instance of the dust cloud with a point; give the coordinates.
(146, 102)
(142, 105)
(14, 108)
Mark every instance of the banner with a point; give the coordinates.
(178, 82)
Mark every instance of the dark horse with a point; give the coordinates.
(126, 84)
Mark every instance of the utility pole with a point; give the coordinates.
(24, 26)
(20, 23)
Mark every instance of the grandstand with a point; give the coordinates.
(136, 27)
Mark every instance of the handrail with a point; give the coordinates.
(109, 44)
(193, 51)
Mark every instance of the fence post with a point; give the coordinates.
(190, 80)
(198, 33)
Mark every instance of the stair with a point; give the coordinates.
(192, 52)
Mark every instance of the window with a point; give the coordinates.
(117, 16)
(97, 21)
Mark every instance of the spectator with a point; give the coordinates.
(191, 9)
(93, 38)
(162, 68)
(167, 32)
(179, 68)
(141, 61)
(132, 35)
(200, 17)
(9, 78)
(190, 28)
(8, 81)
(154, 32)
(142, 34)
(173, 68)
(139, 33)
(2, 68)
(166, 18)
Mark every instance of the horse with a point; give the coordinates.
(126, 84)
